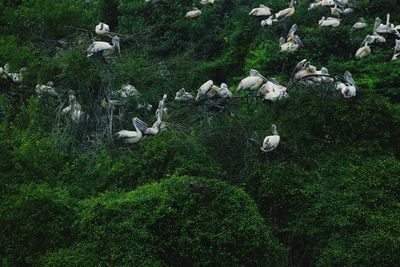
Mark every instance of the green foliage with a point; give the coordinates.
(72, 196)
(34, 219)
(180, 221)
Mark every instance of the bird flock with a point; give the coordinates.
(268, 89)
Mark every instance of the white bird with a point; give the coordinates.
(348, 89)
(251, 82)
(269, 21)
(383, 28)
(288, 11)
(102, 29)
(104, 47)
(365, 49)
(272, 141)
(207, 2)
(204, 90)
(360, 24)
(43, 89)
(329, 22)
(130, 137)
(182, 95)
(262, 10)
(304, 69)
(193, 13)
(293, 42)
(272, 91)
(224, 91)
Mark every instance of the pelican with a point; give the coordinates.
(272, 91)
(293, 42)
(252, 82)
(204, 89)
(347, 11)
(271, 141)
(364, 50)
(348, 89)
(360, 24)
(269, 21)
(104, 47)
(383, 28)
(318, 77)
(329, 22)
(42, 89)
(224, 91)
(130, 137)
(193, 13)
(288, 11)
(304, 69)
(146, 130)
(182, 95)
(206, 2)
(102, 29)
(260, 11)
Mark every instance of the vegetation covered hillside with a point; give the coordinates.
(200, 191)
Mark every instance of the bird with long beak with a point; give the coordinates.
(104, 48)
(348, 88)
(130, 137)
(253, 81)
(329, 22)
(365, 49)
(272, 141)
(293, 42)
(260, 11)
(287, 12)
(383, 28)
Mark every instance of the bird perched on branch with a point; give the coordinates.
(104, 48)
(272, 141)
(253, 81)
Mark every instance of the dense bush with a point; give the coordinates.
(180, 221)
(73, 196)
